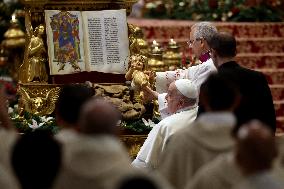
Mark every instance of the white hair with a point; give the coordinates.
(205, 30)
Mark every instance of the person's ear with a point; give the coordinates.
(213, 53)
(202, 43)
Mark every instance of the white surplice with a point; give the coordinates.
(150, 153)
(97, 161)
(221, 173)
(263, 180)
(197, 74)
(93, 161)
(194, 146)
(8, 138)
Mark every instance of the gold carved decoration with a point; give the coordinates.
(38, 99)
(120, 96)
(133, 143)
(137, 43)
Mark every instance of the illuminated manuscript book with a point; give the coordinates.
(87, 41)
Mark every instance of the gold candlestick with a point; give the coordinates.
(3, 56)
(155, 61)
(14, 36)
(172, 56)
(14, 42)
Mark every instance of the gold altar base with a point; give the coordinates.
(133, 143)
(38, 98)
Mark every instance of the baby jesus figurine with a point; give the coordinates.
(136, 71)
(137, 64)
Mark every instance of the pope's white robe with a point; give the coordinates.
(221, 173)
(194, 146)
(197, 74)
(150, 153)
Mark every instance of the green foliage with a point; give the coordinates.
(139, 126)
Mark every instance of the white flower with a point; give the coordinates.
(148, 123)
(46, 119)
(10, 110)
(35, 125)
(181, 4)
(150, 6)
(16, 106)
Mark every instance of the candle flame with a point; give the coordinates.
(13, 17)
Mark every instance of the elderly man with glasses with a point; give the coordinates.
(200, 34)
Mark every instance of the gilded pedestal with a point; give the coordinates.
(39, 98)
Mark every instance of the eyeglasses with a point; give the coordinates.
(190, 42)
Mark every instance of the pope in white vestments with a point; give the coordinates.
(197, 74)
(182, 97)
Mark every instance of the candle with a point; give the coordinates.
(156, 49)
(172, 42)
(155, 43)
(13, 18)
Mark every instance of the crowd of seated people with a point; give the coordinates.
(219, 132)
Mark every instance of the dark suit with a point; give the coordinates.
(256, 99)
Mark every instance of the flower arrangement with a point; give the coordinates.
(29, 122)
(139, 126)
(216, 10)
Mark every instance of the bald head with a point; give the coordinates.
(99, 117)
(256, 147)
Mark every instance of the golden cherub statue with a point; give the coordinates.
(136, 73)
(33, 67)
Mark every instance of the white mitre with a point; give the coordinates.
(187, 88)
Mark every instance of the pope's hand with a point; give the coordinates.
(149, 94)
(151, 75)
